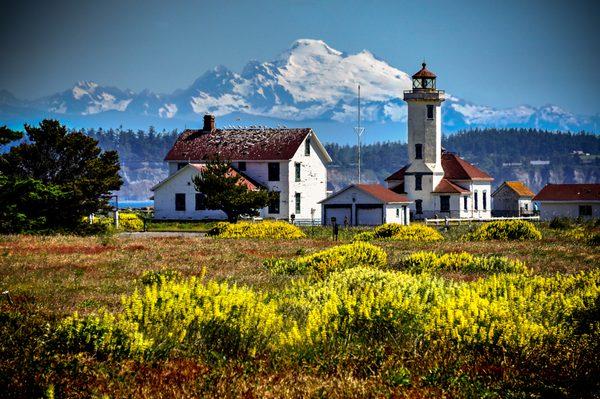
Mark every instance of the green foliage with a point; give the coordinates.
(8, 136)
(461, 262)
(152, 277)
(398, 232)
(55, 179)
(332, 259)
(264, 229)
(519, 230)
(225, 191)
(561, 223)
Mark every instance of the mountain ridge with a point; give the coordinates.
(310, 81)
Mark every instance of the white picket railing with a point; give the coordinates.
(469, 220)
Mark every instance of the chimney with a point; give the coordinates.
(209, 123)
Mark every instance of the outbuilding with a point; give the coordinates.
(366, 205)
(512, 198)
(569, 200)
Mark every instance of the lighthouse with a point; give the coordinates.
(424, 139)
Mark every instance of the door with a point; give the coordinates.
(372, 216)
(339, 213)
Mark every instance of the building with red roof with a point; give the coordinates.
(289, 161)
(438, 182)
(569, 200)
(366, 205)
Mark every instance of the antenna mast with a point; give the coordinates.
(359, 132)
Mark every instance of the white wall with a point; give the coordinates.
(313, 182)
(550, 210)
(164, 199)
(390, 213)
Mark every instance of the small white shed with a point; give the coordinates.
(365, 205)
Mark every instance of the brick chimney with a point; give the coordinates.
(209, 123)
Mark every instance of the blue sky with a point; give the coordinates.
(498, 53)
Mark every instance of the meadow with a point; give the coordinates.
(203, 316)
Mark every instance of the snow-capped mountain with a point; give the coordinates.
(309, 82)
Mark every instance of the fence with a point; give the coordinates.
(437, 222)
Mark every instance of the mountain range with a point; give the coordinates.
(309, 84)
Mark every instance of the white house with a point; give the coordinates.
(366, 204)
(569, 200)
(436, 181)
(512, 198)
(289, 161)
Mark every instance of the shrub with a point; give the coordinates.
(505, 230)
(398, 232)
(462, 262)
(560, 223)
(265, 229)
(332, 259)
(594, 239)
(151, 277)
(130, 222)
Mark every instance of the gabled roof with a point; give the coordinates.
(569, 192)
(245, 180)
(456, 168)
(424, 72)
(445, 186)
(398, 175)
(516, 186)
(375, 190)
(241, 144)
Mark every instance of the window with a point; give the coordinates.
(397, 212)
(585, 210)
(429, 111)
(526, 206)
(466, 203)
(484, 200)
(274, 171)
(418, 182)
(180, 202)
(418, 151)
(445, 203)
(297, 165)
(242, 166)
(274, 203)
(307, 146)
(297, 198)
(200, 201)
(419, 206)
(181, 165)
(476, 202)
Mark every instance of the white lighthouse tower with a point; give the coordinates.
(425, 171)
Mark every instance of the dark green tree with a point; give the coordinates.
(8, 136)
(224, 190)
(53, 181)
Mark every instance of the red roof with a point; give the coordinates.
(237, 144)
(447, 187)
(382, 193)
(456, 168)
(398, 175)
(424, 73)
(569, 192)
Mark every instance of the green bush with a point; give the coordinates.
(364, 236)
(151, 277)
(461, 262)
(505, 230)
(560, 223)
(130, 222)
(332, 259)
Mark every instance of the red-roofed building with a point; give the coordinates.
(288, 161)
(569, 200)
(438, 182)
(366, 205)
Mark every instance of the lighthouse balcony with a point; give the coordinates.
(424, 94)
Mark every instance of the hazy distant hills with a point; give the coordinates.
(310, 84)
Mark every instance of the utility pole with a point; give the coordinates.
(359, 132)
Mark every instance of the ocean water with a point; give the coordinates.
(133, 204)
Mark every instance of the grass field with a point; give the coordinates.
(51, 277)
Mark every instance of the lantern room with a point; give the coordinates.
(424, 79)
